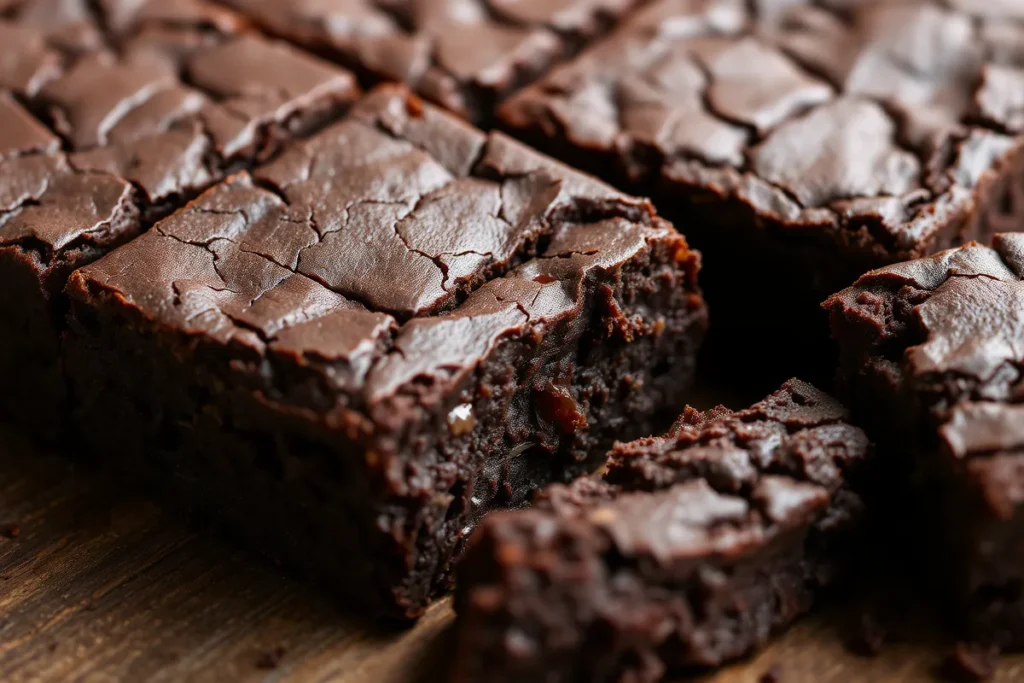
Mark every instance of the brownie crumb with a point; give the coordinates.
(772, 675)
(10, 531)
(271, 658)
(971, 662)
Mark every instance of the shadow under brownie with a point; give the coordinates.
(350, 354)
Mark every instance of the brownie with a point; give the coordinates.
(799, 143)
(347, 355)
(690, 550)
(69, 26)
(175, 109)
(99, 140)
(466, 55)
(55, 218)
(931, 353)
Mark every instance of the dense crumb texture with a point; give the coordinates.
(463, 54)
(691, 550)
(391, 328)
(931, 353)
(825, 138)
(111, 114)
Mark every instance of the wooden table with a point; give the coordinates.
(99, 586)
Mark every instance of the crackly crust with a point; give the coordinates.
(932, 352)
(446, 317)
(842, 123)
(474, 226)
(463, 54)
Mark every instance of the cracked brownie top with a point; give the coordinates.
(947, 328)
(398, 244)
(721, 482)
(942, 338)
(878, 120)
(167, 106)
(667, 550)
(461, 53)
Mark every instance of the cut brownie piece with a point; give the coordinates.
(800, 143)
(464, 54)
(931, 355)
(690, 550)
(150, 124)
(351, 353)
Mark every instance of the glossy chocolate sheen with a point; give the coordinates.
(463, 54)
(690, 550)
(799, 143)
(389, 329)
(150, 102)
(931, 353)
(881, 116)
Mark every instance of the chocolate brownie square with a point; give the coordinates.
(98, 143)
(690, 550)
(931, 354)
(799, 143)
(349, 354)
(466, 55)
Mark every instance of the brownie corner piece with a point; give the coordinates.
(804, 142)
(931, 353)
(690, 550)
(352, 352)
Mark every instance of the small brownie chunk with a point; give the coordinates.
(463, 54)
(349, 354)
(689, 551)
(797, 142)
(931, 355)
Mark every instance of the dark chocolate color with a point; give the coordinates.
(163, 100)
(463, 54)
(800, 143)
(690, 550)
(352, 352)
(55, 219)
(931, 352)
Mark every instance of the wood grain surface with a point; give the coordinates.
(100, 586)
